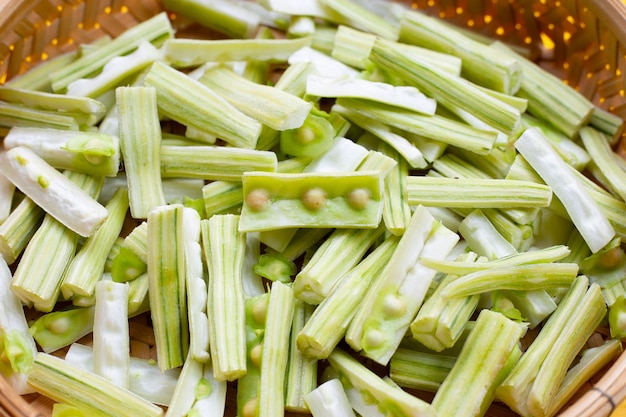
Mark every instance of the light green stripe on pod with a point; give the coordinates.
(342, 200)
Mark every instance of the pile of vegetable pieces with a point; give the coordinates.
(330, 184)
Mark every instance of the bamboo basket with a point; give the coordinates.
(581, 41)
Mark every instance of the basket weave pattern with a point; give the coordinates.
(581, 41)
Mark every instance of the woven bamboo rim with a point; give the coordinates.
(581, 41)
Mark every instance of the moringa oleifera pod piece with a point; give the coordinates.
(340, 200)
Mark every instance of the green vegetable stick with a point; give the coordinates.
(476, 193)
(224, 248)
(271, 106)
(17, 115)
(420, 370)
(51, 101)
(18, 228)
(341, 251)
(592, 360)
(603, 156)
(193, 52)
(396, 209)
(218, 163)
(271, 398)
(362, 18)
(607, 122)
(548, 97)
(57, 379)
(522, 277)
(353, 47)
(221, 197)
(330, 320)
(38, 77)
(435, 127)
(248, 384)
(140, 140)
(440, 322)
(374, 390)
(301, 373)
(458, 267)
(560, 339)
(167, 284)
(27, 281)
(86, 268)
(195, 105)
(477, 371)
